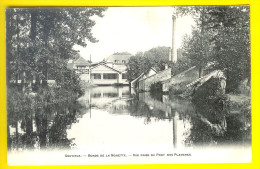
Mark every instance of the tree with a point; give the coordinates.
(44, 38)
(194, 50)
(232, 44)
(137, 65)
(183, 63)
(158, 57)
(40, 41)
(17, 43)
(199, 42)
(143, 61)
(222, 37)
(122, 53)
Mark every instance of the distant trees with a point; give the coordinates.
(222, 37)
(141, 62)
(158, 57)
(183, 63)
(122, 53)
(137, 65)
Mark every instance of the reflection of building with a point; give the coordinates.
(102, 96)
(173, 110)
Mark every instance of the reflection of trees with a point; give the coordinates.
(50, 110)
(204, 122)
(209, 119)
(140, 108)
(212, 124)
(208, 124)
(239, 127)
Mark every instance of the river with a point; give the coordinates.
(116, 120)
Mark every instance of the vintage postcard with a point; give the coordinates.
(128, 85)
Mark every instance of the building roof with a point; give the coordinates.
(105, 66)
(144, 75)
(118, 67)
(112, 58)
(81, 62)
(133, 81)
(98, 63)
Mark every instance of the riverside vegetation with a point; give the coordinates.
(39, 43)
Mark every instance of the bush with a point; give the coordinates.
(156, 87)
(178, 89)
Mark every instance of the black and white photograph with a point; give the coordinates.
(128, 85)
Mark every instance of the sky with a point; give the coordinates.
(134, 29)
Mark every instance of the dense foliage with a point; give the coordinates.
(41, 40)
(122, 53)
(141, 62)
(39, 43)
(221, 37)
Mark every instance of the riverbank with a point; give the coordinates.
(85, 85)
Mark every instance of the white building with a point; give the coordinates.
(112, 71)
(108, 74)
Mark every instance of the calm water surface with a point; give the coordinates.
(112, 119)
(115, 119)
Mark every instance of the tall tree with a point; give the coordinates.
(49, 36)
(200, 49)
(222, 37)
(232, 43)
(17, 43)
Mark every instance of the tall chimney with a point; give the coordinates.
(174, 48)
(170, 54)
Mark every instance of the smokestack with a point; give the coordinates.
(174, 48)
(170, 55)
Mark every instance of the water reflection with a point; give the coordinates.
(192, 125)
(112, 116)
(44, 128)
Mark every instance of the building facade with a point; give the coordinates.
(111, 71)
(81, 67)
(104, 74)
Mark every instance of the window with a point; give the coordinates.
(81, 67)
(110, 94)
(109, 76)
(124, 76)
(123, 61)
(82, 71)
(96, 76)
(96, 95)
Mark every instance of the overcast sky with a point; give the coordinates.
(134, 29)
